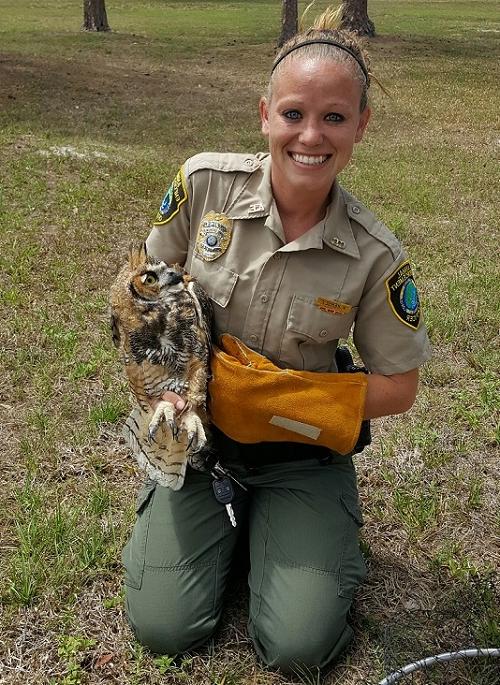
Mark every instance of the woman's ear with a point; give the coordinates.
(364, 118)
(264, 116)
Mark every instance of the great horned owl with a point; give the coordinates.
(161, 321)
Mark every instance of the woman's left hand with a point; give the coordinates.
(178, 402)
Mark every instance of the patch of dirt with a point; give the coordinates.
(113, 99)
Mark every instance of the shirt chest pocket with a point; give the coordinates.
(219, 283)
(311, 335)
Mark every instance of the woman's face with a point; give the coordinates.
(312, 123)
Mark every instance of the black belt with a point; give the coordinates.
(261, 453)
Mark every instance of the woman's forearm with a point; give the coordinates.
(387, 395)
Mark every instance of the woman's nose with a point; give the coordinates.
(311, 134)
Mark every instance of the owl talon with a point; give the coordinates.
(174, 429)
(191, 423)
(164, 413)
(196, 443)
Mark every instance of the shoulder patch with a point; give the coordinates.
(402, 295)
(175, 197)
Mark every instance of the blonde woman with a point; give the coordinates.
(292, 262)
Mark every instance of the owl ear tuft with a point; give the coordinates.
(137, 255)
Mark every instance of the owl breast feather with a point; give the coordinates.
(158, 343)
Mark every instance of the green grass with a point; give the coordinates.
(92, 129)
(60, 545)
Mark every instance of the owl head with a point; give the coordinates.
(151, 279)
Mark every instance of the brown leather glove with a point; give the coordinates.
(252, 400)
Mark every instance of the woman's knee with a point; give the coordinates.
(167, 627)
(296, 647)
(162, 638)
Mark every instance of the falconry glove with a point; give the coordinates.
(252, 400)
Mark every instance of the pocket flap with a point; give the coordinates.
(217, 281)
(306, 318)
(144, 494)
(351, 505)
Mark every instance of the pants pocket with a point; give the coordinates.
(352, 569)
(134, 552)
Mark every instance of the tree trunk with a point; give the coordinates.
(94, 16)
(355, 18)
(289, 20)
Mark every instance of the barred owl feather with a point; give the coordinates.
(161, 322)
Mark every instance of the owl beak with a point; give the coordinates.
(174, 278)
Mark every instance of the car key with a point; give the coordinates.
(224, 494)
(220, 471)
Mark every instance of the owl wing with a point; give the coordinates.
(204, 309)
(115, 328)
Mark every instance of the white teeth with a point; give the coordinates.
(309, 159)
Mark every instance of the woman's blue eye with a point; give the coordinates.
(333, 116)
(292, 114)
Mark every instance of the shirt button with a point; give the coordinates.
(264, 298)
(323, 332)
(355, 209)
(253, 338)
(249, 161)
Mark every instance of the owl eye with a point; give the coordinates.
(149, 278)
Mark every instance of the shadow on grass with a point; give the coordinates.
(114, 98)
(483, 47)
(117, 101)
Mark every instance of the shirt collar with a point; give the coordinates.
(338, 233)
(255, 197)
(255, 200)
(334, 230)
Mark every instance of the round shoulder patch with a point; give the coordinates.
(402, 295)
(175, 197)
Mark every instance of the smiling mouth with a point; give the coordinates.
(309, 160)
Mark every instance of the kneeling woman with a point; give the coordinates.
(292, 262)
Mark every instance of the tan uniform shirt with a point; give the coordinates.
(291, 301)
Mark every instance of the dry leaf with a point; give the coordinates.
(103, 660)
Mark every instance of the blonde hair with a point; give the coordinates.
(348, 49)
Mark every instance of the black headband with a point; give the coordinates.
(325, 41)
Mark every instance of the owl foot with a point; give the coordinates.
(164, 413)
(191, 423)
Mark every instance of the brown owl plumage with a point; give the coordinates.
(161, 321)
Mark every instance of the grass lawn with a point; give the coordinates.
(92, 129)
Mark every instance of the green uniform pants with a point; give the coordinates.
(305, 562)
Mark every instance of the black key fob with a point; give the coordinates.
(223, 490)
